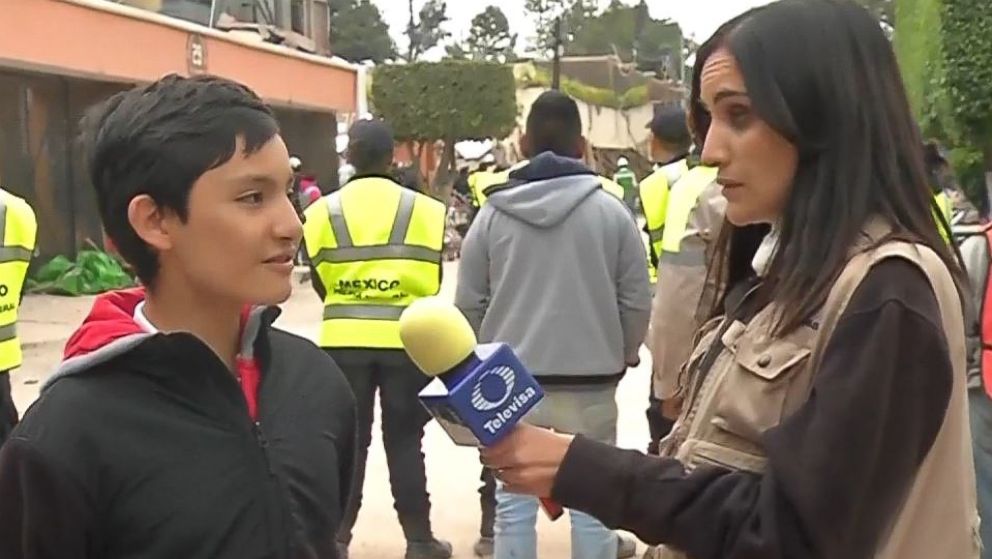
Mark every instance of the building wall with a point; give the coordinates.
(59, 57)
(38, 131)
(311, 137)
(109, 42)
(41, 159)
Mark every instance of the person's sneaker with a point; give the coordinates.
(483, 548)
(342, 550)
(433, 549)
(626, 547)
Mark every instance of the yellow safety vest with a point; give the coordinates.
(376, 247)
(504, 176)
(944, 205)
(479, 181)
(611, 187)
(682, 199)
(20, 232)
(654, 200)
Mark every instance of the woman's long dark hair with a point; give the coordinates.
(823, 75)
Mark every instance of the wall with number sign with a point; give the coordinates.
(58, 57)
(109, 42)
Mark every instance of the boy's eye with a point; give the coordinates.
(251, 198)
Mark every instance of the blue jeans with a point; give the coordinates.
(590, 411)
(980, 409)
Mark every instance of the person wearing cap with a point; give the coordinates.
(374, 248)
(627, 180)
(683, 210)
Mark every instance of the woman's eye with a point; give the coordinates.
(739, 116)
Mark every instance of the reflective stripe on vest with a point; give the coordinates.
(944, 206)
(373, 270)
(681, 200)
(654, 199)
(18, 236)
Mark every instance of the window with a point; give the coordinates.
(298, 16)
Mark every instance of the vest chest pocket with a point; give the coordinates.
(702, 340)
(753, 395)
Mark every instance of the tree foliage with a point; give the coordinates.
(545, 12)
(425, 31)
(966, 37)
(627, 31)
(450, 101)
(945, 54)
(489, 37)
(359, 33)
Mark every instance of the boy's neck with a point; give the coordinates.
(215, 323)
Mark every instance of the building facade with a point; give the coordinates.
(59, 57)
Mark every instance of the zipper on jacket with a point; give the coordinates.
(263, 444)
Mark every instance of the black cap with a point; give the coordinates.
(669, 125)
(370, 142)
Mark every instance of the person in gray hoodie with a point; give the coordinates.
(554, 266)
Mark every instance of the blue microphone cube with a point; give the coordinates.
(481, 400)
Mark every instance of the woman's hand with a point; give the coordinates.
(527, 460)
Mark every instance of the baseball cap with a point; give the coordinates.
(369, 141)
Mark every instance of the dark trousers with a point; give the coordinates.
(8, 412)
(398, 381)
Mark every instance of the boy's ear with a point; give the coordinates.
(150, 222)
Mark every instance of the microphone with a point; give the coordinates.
(480, 391)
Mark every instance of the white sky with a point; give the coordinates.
(698, 18)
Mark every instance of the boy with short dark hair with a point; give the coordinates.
(181, 423)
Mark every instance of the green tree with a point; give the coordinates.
(359, 33)
(489, 37)
(449, 101)
(966, 43)
(945, 55)
(425, 32)
(627, 31)
(631, 33)
(574, 13)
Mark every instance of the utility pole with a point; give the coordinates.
(556, 71)
(411, 30)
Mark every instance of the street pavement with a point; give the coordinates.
(452, 472)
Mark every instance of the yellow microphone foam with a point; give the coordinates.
(436, 335)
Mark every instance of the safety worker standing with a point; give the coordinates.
(19, 228)
(375, 247)
(940, 175)
(684, 209)
(482, 178)
(627, 180)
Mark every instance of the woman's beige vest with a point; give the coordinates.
(756, 382)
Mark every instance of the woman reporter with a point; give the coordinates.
(825, 412)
